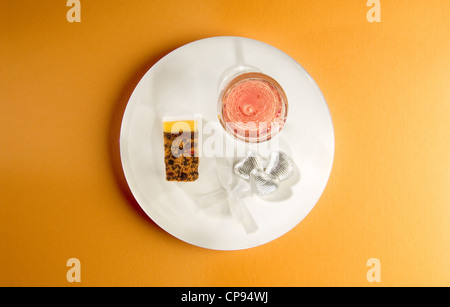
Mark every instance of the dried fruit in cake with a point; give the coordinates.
(181, 150)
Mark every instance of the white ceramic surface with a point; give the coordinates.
(187, 81)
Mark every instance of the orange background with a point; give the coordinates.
(63, 89)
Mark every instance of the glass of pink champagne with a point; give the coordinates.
(252, 107)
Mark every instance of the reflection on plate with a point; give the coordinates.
(188, 81)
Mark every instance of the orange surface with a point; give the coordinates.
(63, 89)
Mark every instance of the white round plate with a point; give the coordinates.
(186, 82)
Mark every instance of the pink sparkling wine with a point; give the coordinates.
(253, 107)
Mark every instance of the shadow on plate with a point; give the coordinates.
(114, 132)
